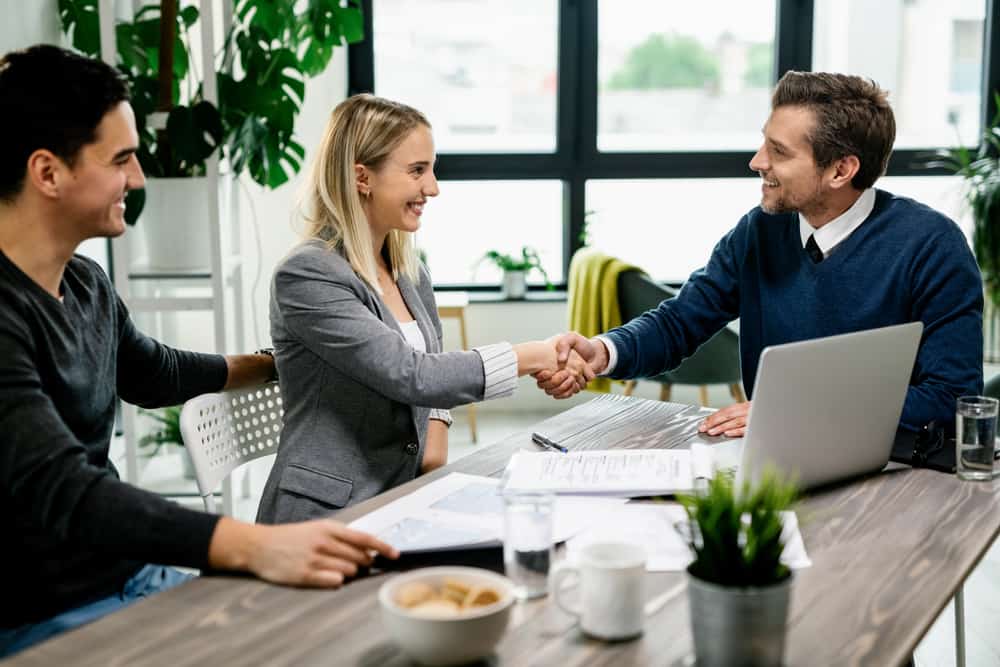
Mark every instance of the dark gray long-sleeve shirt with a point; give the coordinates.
(77, 533)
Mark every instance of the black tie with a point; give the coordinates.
(815, 254)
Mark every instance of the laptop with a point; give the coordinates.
(827, 409)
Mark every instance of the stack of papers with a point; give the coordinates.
(462, 511)
(620, 472)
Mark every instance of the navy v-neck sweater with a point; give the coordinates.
(906, 262)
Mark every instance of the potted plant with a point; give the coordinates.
(515, 270)
(738, 588)
(980, 169)
(268, 52)
(168, 433)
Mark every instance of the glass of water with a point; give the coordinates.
(975, 437)
(527, 543)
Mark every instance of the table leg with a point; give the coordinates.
(960, 627)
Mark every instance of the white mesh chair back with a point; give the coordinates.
(225, 430)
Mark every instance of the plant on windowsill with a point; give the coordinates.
(738, 588)
(515, 270)
(168, 434)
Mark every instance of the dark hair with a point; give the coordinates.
(853, 117)
(54, 99)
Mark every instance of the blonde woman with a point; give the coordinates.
(355, 329)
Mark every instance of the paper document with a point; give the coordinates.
(619, 472)
(466, 511)
(655, 527)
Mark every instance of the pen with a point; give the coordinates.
(540, 439)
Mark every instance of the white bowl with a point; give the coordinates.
(447, 640)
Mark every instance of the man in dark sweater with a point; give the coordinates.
(825, 253)
(81, 542)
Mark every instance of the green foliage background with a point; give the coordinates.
(270, 50)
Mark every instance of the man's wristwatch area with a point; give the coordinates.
(269, 351)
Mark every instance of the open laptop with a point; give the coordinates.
(827, 409)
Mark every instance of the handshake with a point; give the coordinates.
(563, 364)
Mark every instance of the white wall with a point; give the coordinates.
(27, 22)
(270, 212)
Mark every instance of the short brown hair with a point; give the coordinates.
(853, 117)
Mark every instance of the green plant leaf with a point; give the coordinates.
(79, 19)
(189, 15)
(194, 133)
(267, 54)
(170, 431)
(736, 537)
(135, 201)
(980, 170)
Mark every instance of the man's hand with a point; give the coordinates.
(730, 421)
(321, 553)
(579, 359)
(567, 380)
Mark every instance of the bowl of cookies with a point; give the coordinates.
(446, 615)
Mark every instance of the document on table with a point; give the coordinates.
(462, 511)
(619, 472)
(658, 529)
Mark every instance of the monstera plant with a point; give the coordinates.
(269, 51)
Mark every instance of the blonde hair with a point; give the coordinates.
(363, 129)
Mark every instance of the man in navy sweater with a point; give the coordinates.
(825, 253)
(80, 543)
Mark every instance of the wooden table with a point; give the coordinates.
(888, 553)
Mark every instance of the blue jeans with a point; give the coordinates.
(147, 581)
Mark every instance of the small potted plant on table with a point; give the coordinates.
(738, 588)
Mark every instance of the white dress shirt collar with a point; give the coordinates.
(830, 235)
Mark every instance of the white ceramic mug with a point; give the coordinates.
(611, 576)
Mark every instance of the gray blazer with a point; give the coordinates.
(356, 395)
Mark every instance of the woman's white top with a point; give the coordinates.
(413, 336)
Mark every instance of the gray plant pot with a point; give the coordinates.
(738, 626)
(515, 284)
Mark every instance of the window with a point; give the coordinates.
(688, 76)
(486, 85)
(470, 218)
(640, 116)
(927, 54)
(666, 227)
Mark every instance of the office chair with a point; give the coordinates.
(224, 430)
(716, 362)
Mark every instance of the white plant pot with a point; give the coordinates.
(515, 284)
(172, 232)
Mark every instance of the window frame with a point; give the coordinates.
(576, 158)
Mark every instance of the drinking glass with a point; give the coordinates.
(527, 544)
(975, 437)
